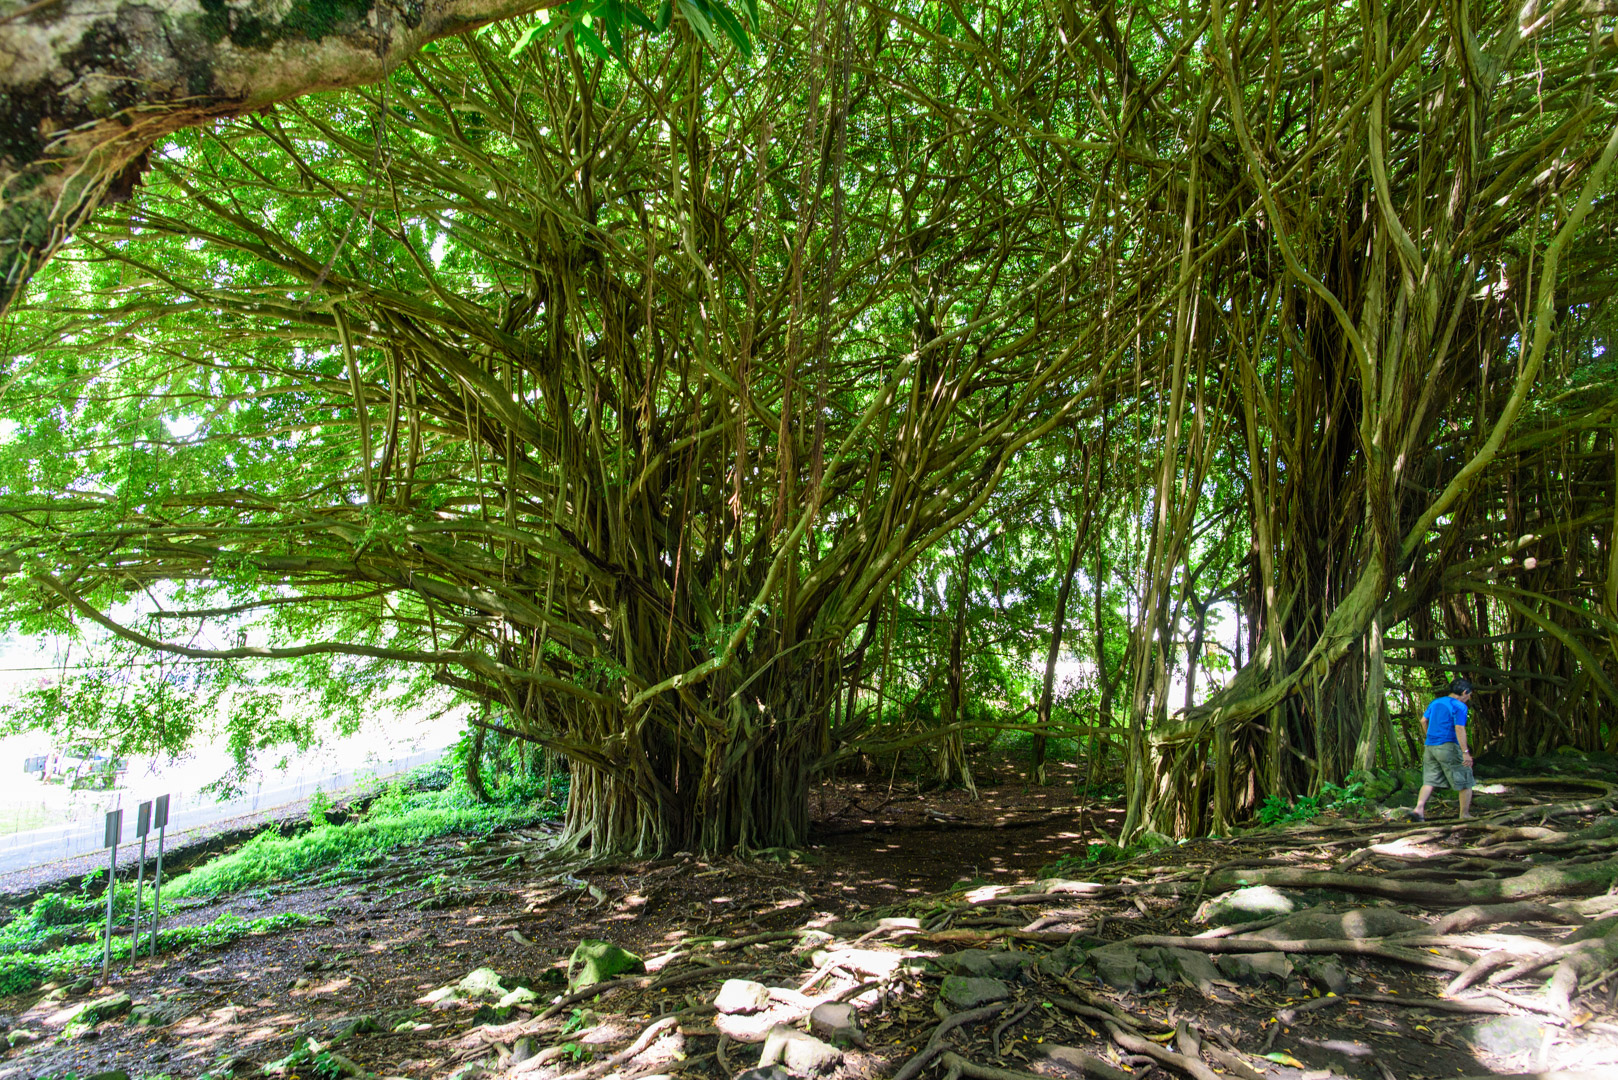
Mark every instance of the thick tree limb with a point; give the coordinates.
(88, 86)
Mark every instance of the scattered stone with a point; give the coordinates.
(748, 1029)
(160, 1013)
(800, 1053)
(93, 1012)
(517, 936)
(1256, 969)
(335, 1031)
(1126, 967)
(742, 996)
(471, 1072)
(597, 961)
(967, 992)
(445, 997)
(1062, 960)
(990, 963)
(837, 1023)
(1327, 972)
(522, 1050)
(484, 982)
(21, 1036)
(1120, 967)
(301, 983)
(1368, 922)
(491, 1014)
(1507, 1035)
(1246, 905)
(520, 996)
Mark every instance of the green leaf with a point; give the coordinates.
(733, 28)
(1281, 1057)
(638, 18)
(527, 38)
(699, 21)
(752, 13)
(612, 15)
(665, 13)
(586, 36)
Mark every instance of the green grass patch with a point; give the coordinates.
(26, 964)
(397, 818)
(59, 937)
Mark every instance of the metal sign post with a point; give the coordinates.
(115, 831)
(160, 819)
(143, 825)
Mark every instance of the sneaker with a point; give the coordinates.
(1417, 815)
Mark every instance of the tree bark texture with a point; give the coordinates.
(88, 86)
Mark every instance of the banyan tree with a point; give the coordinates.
(618, 394)
(624, 387)
(1394, 225)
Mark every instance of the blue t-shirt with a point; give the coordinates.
(1443, 717)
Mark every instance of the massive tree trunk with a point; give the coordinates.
(88, 86)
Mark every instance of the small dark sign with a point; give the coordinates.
(143, 818)
(115, 828)
(160, 816)
(35, 764)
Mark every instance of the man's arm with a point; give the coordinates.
(1460, 739)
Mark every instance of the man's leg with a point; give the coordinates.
(1421, 800)
(1466, 802)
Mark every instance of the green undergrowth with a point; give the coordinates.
(1347, 800)
(59, 936)
(29, 959)
(1101, 853)
(399, 817)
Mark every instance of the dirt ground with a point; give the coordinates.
(358, 985)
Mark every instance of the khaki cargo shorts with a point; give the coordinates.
(1441, 767)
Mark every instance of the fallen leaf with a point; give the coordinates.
(1281, 1057)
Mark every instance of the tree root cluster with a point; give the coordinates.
(1534, 932)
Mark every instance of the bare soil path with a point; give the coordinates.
(1084, 979)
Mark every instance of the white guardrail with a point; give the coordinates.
(193, 810)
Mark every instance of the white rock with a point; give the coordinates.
(742, 996)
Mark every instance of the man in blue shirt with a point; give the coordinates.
(1446, 759)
